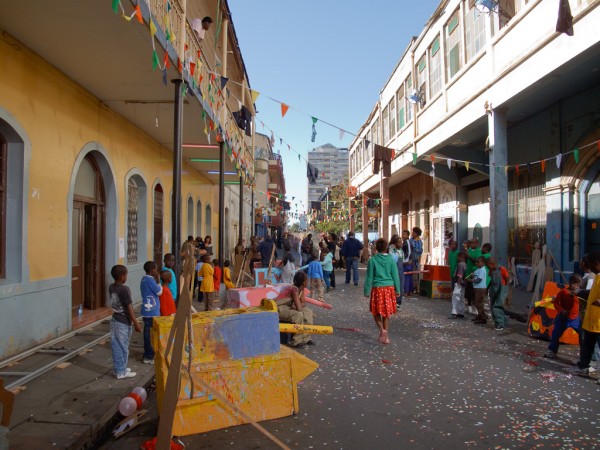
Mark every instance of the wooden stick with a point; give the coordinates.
(304, 329)
(558, 266)
(270, 263)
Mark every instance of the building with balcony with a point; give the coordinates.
(494, 123)
(87, 138)
(332, 165)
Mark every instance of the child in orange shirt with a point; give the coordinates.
(566, 304)
(167, 304)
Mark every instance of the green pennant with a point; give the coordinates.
(115, 6)
(314, 120)
(414, 155)
(168, 35)
(298, 157)
(203, 114)
(576, 155)
(155, 61)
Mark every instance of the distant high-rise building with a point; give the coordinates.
(332, 165)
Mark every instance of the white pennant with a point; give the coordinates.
(342, 132)
(432, 173)
(558, 160)
(449, 161)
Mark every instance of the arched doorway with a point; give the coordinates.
(592, 219)
(88, 237)
(158, 225)
(199, 219)
(208, 221)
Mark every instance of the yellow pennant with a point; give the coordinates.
(254, 95)
(505, 170)
(467, 165)
(152, 28)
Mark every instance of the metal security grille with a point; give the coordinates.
(526, 213)
(132, 221)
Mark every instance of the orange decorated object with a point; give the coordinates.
(436, 273)
(541, 319)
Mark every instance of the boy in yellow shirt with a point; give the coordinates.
(207, 287)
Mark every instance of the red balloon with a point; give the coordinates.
(137, 399)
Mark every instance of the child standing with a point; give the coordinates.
(151, 291)
(120, 324)
(167, 304)
(478, 278)
(217, 283)
(498, 291)
(382, 286)
(227, 275)
(169, 264)
(566, 304)
(199, 278)
(327, 265)
(315, 275)
(293, 309)
(207, 287)
(458, 280)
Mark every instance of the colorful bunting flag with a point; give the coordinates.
(414, 156)
(284, 109)
(505, 170)
(138, 14)
(558, 160)
(254, 94)
(449, 161)
(224, 82)
(467, 163)
(517, 169)
(576, 155)
(155, 61)
(543, 163)
(342, 132)
(115, 6)
(152, 28)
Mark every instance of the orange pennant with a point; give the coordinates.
(138, 14)
(517, 169)
(179, 65)
(543, 166)
(284, 109)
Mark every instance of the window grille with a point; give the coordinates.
(132, 221)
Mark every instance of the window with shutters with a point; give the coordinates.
(386, 125)
(422, 75)
(435, 68)
(474, 31)
(392, 118)
(401, 118)
(453, 45)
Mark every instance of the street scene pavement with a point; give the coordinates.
(439, 383)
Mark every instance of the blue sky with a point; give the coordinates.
(324, 58)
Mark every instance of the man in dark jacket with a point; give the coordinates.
(266, 248)
(351, 251)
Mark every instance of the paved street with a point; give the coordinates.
(440, 383)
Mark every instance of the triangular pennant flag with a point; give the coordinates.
(314, 120)
(115, 6)
(164, 76)
(224, 82)
(298, 156)
(414, 156)
(192, 69)
(449, 161)
(166, 62)
(467, 163)
(128, 18)
(155, 61)
(138, 14)
(517, 169)
(543, 165)
(152, 28)
(254, 94)
(367, 144)
(558, 160)
(576, 155)
(168, 6)
(284, 109)
(342, 132)
(505, 170)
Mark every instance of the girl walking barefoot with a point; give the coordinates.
(382, 286)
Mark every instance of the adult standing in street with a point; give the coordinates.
(306, 247)
(382, 286)
(407, 286)
(416, 250)
(332, 247)
(266, 249)
(351, 251)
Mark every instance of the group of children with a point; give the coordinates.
(319, 270)
(159, 296)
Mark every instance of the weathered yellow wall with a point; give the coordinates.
(60, 117)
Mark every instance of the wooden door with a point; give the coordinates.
(77, 257)
(93, 237)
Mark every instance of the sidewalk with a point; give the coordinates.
(69, 408)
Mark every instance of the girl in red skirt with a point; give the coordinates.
(382, 286)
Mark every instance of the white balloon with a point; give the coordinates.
(141, 392)
(127, 406)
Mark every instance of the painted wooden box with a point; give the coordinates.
(226, 334)
(435, 289)
(252, 296)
